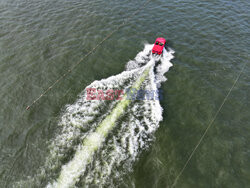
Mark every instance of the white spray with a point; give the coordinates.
(100, 140)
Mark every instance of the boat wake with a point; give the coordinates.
(100, 137)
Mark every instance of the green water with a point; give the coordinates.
(40, 40)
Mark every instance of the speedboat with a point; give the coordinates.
(159, 44)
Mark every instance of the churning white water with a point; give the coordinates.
(100, 139)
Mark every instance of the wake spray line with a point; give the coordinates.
(72, 171)
(209, 125)
(84, 57)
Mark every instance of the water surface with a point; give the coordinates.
(40, 40)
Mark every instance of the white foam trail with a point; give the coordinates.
(106, 156)
(164, 66)
(141, 58)
(72, 171)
